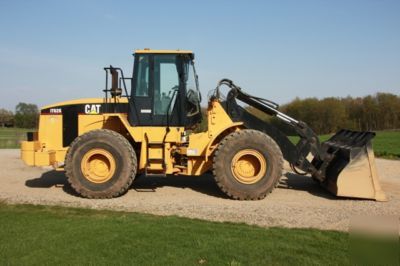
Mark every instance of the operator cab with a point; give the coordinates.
(165, 89)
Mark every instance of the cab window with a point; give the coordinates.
(166, 83)
(142, 80)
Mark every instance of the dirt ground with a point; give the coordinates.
(297, 202)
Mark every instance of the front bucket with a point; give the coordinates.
(352, 171)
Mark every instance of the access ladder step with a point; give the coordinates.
(155, 173)
(155, 144)
(156, 160)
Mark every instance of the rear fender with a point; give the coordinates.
(116, 122)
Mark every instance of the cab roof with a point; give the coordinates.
(150, 51)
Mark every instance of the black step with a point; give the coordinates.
(155, 144)
(155, 160)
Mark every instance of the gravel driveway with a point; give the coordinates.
(297, 202)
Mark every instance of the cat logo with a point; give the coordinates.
(92, 109)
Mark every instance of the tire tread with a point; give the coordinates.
(218, 162)
(69, 167)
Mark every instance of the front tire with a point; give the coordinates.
(247, 165)
(101, 164)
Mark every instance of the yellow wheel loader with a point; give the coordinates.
(104, 143)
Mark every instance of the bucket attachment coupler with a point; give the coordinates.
(351, 170)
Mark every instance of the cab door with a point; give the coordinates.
(157, 91)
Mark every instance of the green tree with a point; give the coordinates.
(26, 115)
(354, 109)
(309, 110)
(6, 118)
(369, 115)
(388, 110)
(372, 112)
(332, 115)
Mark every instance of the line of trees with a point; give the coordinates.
(373, 112)
(26, 116)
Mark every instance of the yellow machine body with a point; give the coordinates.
(46, 148)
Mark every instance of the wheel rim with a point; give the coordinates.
(248, 166)
(98, 166)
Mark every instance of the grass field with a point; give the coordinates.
(10, 137)
(56, 235)
(386, 144)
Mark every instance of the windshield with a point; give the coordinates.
(191, 79)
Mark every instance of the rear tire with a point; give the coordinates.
(247, 165)
(101, 164)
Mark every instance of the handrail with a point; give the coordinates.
(108, 71)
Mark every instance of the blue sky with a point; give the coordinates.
(55, 50)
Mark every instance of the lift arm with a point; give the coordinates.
(294, 154)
